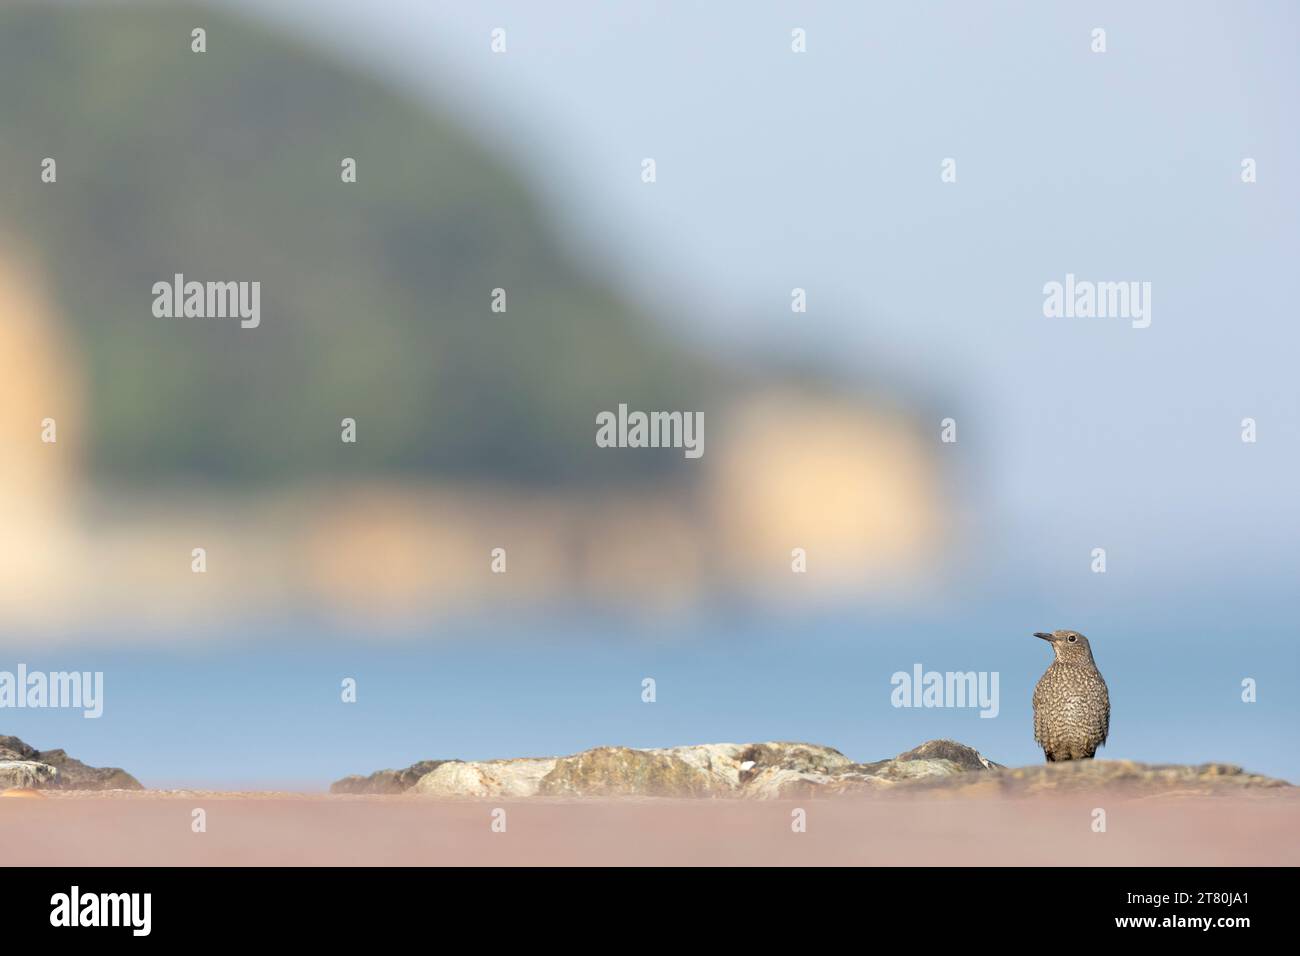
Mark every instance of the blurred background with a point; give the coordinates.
(522, 170)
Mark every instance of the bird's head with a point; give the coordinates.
(1070, 646)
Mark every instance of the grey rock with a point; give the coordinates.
(26, 775)
(761, 771)
(489, 778)
(967, 758)
(1119, 776)
(782, 770)
(387, 781)
(934, 759)
(623, 771)
(69, 773)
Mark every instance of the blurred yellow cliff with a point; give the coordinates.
(135, 449)
(783, 470)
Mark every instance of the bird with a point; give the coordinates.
(1071, 703)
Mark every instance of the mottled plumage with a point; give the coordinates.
(1071, 705)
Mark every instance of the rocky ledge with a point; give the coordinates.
(24, 767)
(1128, 776)
(777, 770)
(759, 770)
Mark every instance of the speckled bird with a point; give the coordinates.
(1071, 704)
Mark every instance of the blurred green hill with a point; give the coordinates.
(225, 166)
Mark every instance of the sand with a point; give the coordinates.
(151, 828)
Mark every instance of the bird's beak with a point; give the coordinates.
(1046, 637)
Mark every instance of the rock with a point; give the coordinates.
(67, 772)
(783, 770)
(801, 758)
(968, 758)
(1123, 776)
(387, 781)
(820, 771)
(778, 783)
(11, 748)
(717, 766)
(75, 775)
(703, 770)
(761, 771)
(490, 778)
(26, 775)
(622, 771)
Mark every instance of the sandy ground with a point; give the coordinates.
(299, 829)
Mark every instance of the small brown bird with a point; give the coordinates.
(1071, 705)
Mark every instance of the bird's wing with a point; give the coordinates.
(1105, 710)
(1040, 718)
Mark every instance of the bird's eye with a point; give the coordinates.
(1072, 638)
